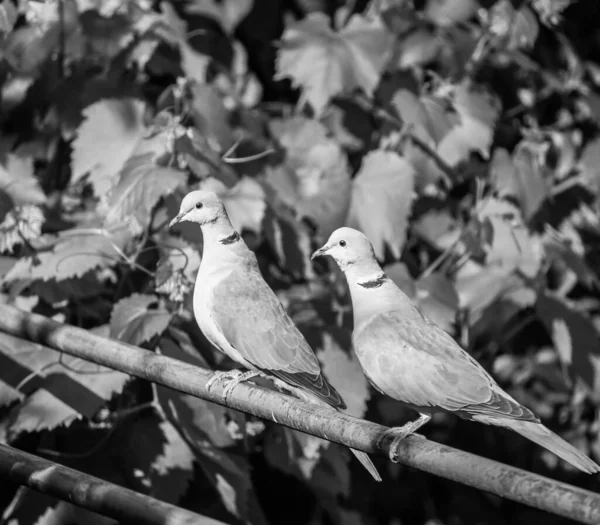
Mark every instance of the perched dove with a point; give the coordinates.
(411, 359)
(239, 313)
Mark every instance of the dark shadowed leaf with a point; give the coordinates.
(437, 299)
(575, 339)
(141, 185)
(210, 116)
(54, 389)
(342, 369)
(200, 420)
(558, 249)
(134, 322)
(290, 239)
(531, 184)
(398, 272)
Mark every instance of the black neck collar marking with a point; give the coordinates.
(234, 237)
(375, 283)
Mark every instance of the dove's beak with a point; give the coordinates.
(320, 252)
(176, 219)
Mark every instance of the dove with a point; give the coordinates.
(242, 317)
(409, 358)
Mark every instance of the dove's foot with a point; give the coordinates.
(232, 383)
(403, 432)
(226, 376)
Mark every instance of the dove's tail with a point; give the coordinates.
(366, 462)
(544, 437)
(360, 455)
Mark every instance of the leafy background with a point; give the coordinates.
(460, 135)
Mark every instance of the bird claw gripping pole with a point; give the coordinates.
(230, 379)
(398, 434)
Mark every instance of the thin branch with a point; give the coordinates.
(90, 492)
(415, 451)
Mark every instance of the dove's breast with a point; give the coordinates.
(203, 298)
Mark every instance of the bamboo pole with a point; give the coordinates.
(415, 451)
(92, 493)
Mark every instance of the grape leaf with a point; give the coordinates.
(325, 63)
(316, 178)
(557, 249)
(228, 13)
(230, 475)
(22, 224)
(531, 182)
(446, 13)
(133, 322)
(503, 173)
(31, 507)
(245, 202)
(418, 48)
(382, 194)
(589, 164)
(18, 181)
(575, 339)
(105, 140)
(550, 10)
(437, 298)
(344, 372)
(141, 184)
(27, 48)
(512, 245)
(294, 452)
(197, 419)
(181, 255)
(73, 254)
(429, 120)
(172, 470)
(8, 17)
(428, 114)
(210, 115)
(478, 112)
(398, 272)
(290, 239)
(434, 294)
(324, 187)
(298, 134)
(517, 28)
(53, 389)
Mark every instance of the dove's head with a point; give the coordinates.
(348, 247)
(202, 207)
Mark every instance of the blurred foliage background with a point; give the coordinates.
(460, 135)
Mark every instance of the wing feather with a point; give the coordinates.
(254, 322)
(422, 365)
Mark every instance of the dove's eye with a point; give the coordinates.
(343, 243)
(199, 205)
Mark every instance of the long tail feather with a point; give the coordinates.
(367, 463)
(361, 456)
(544, 437)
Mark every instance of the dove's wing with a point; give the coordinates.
(416, 362)
(251, 318)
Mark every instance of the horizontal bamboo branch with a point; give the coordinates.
(418, 452)
(92, 493)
